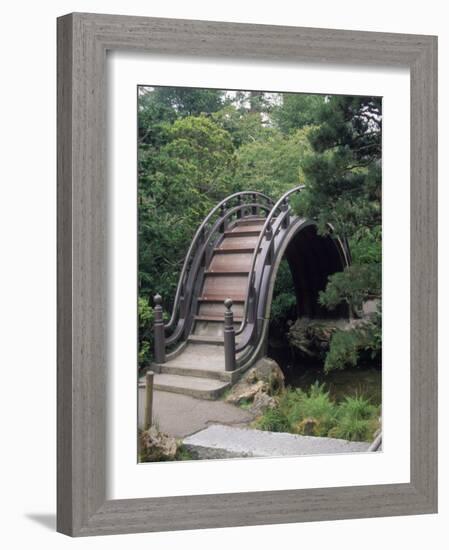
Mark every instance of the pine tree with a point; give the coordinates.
(343, 192)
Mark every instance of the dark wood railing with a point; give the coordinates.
(232, 207)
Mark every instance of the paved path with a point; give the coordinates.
(227, 441)
(181, 415)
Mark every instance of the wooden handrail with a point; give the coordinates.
(266, 232)
(200, 234)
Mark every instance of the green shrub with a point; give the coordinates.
(315, 407)
(356, 407)
(273, 420)
(314, 413)
(357, 420)
(348, 347)
(343, 350)
(146, 318)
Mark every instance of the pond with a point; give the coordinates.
(364, 381)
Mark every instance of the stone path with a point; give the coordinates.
(227, 441)
(181, 415)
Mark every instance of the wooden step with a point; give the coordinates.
(241, 232)
(238, 299)
(250, 220)
(240, 261)
(224, 273)
(226, 285)
(215, 318)
(250, 227)
(239, 242)
(222, 297)
(217, 310)
(205, 339)
(231, 250)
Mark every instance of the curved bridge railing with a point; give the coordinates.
(241, 343)
(279, 217)
(232, 207)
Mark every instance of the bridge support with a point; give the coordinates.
(229, 336)
(159, 331)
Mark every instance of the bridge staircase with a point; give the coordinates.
(219, 323)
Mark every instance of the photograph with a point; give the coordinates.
(259, 273)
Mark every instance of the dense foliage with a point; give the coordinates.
(314, 412)
(344, 186)
(197, 145)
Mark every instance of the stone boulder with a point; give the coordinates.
(267, 371)
(261, 402)
(258, 386)
(243, 392)
(157, 446)
(311, 337)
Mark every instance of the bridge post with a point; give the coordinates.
(269, 237)
(286, 219)
(223, 226)
(255, 209)
(229, 336)
(159, 331)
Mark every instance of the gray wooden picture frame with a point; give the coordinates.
(83, 40)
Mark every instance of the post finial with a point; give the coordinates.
(158, 300)
(228, 303)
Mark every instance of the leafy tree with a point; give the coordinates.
(296, 111)
(184, 102)
(272, 165)
(178, 185)
(242, 125)
(160, 107)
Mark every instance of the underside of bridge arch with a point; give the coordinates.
(312, 258)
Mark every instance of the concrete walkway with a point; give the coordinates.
(227, 441)
(181, 415)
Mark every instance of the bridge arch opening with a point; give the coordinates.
(302, 271)
(312, 258)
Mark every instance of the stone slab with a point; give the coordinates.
(225, 441)
(201, 388)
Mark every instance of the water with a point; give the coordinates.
(361, 381)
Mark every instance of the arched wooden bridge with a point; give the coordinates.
(219, 323)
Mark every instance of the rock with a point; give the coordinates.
(244, 392)
(370, 307)
(156, 445)
(262, 401)
(265, 378)
(311, 337)
(268, 371)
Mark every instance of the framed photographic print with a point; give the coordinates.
(246, 274)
